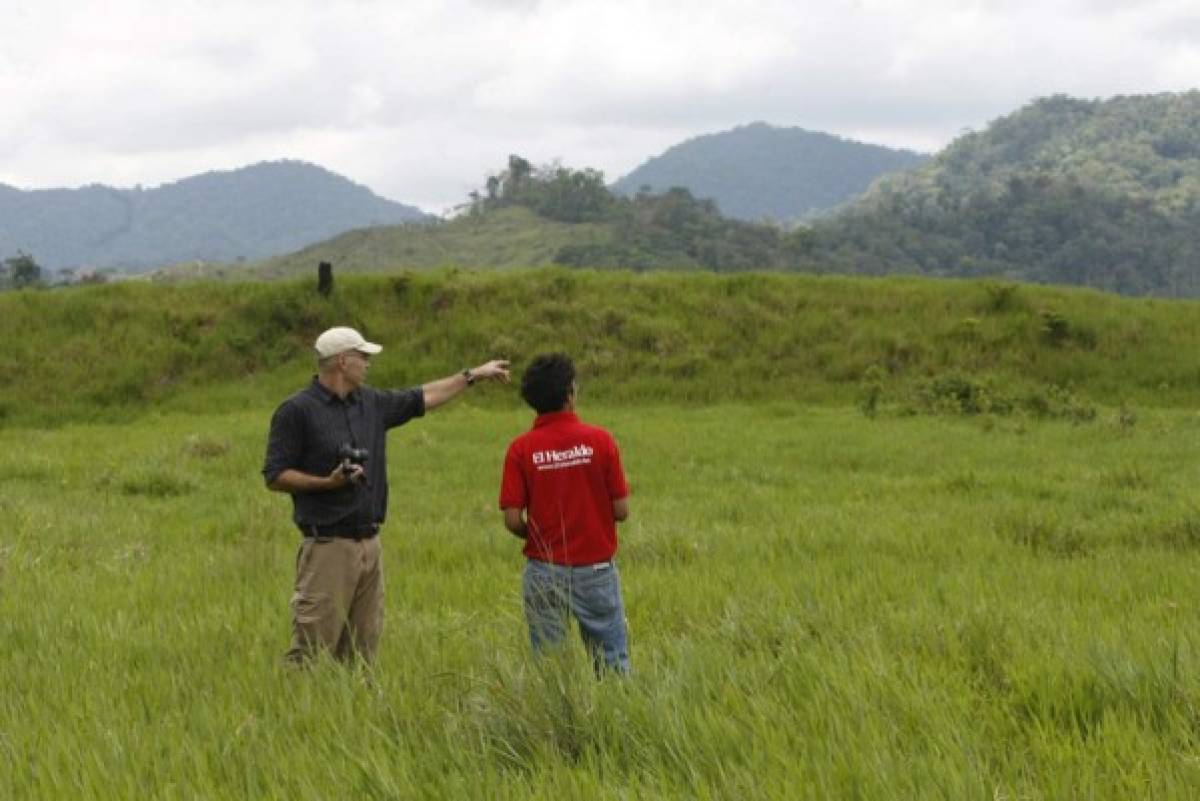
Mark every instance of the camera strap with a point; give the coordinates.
(349, 425)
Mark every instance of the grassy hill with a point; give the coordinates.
(503, 239)
(507, 238)
(122, 350)
(671, 231)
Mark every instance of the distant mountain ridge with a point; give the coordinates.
(759, 171)
(250, 213)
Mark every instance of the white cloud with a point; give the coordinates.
(420, 100)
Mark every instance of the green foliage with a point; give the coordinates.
(1059, 402)
(958, 394)
(1097, 193)
(121, 350)
(647, 231)
(20, 272)
(1055, 328)
(554, 192)
(1001, 297)
(675, 230)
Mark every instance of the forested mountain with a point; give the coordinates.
(1104, 193)
(249, 213)
(759, 172)
(1099, 193)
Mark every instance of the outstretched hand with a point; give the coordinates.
(442, 390)
(495, 370)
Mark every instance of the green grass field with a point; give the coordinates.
(821, 605)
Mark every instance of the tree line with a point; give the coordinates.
(667, 230)
(22, 271)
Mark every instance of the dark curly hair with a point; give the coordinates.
(547, 382)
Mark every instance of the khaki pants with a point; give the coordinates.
(338, 602)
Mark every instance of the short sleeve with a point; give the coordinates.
(401, 405)
(614, 474)
(285, 442)
(513, 494)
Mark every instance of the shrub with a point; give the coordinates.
(1057, 332)
(1055, 329)
(1000, 298)
(1059, 402)
(952, 393)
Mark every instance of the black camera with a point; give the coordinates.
(349, 455)
(353, 455)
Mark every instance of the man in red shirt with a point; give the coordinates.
(563, 492)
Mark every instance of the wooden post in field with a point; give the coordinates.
(325, 278)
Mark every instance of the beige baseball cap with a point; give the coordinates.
(342, 339)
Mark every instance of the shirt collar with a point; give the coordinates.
(329, 396)
(549, 418)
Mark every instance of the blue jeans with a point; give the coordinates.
(592, 595)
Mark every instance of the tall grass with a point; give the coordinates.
(111, 352)
(821, 606)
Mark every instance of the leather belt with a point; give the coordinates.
(342, 532)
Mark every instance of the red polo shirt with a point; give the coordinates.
(566, 475)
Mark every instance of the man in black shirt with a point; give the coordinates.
(327, 449)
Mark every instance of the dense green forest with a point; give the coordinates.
(760, 172)
(125, 349)
(244, 214)
(1104, 193)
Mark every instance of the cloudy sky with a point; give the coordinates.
(421, 100)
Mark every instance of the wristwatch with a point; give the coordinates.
(469, 376)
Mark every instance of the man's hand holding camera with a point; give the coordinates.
(352, 469)
(345, 474)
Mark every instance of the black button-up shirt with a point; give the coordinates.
(307, 431)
